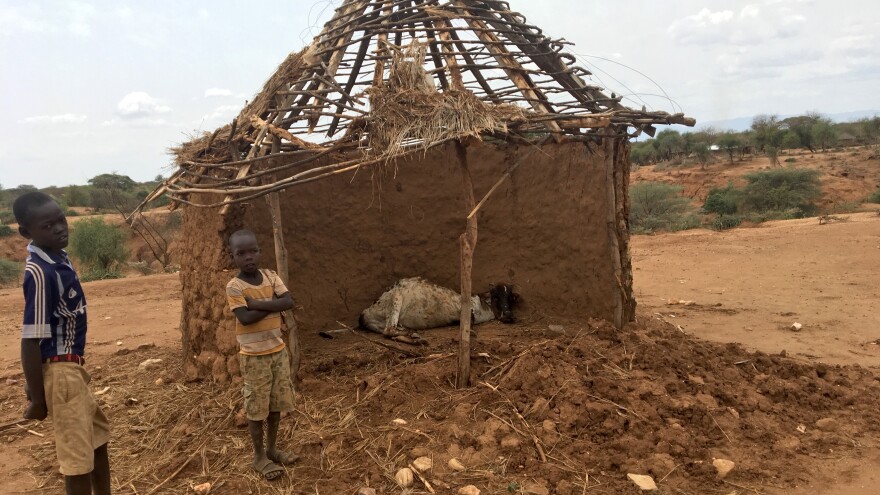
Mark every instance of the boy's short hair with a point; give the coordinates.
(240, 233)
(26, 203)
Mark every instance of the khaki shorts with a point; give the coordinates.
(267, 386)
(80, 426)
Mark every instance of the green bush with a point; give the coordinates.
(9, 273)
(723, 201)
(6, 216)
(657, 206)
(782, 190)
(6, 231)
(875, 196)
(99, 247)
(790, 160)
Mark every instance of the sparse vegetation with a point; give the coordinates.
(100, 247)
(6, 230)
(875, 196)
(782, 190)
(9, 273)
(656, 206)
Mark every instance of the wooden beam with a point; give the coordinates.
(468, 242)
(617, 291)
(452, 67)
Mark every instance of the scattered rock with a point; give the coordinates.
(404, 477)
(535, 489)
(131, 401)
(419, 451)
(160, 381)
(148, 363)
(827, 424)
(796, 327)
(423, 464)
(723, 466)
(144, 347)
(11, 381)
(645, 483)
(556, 329)
(118, 342)
(102, 391)
(469, 490)
(802, 428)
(399, 422)
(365, 490)
(549, 426)
(510, 442)
(456, 465)
(733, 412)
(696, 380)
(203, 489)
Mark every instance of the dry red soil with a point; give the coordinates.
(568, 412)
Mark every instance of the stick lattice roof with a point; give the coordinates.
(386, 77)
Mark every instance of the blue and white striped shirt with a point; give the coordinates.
(54, 304)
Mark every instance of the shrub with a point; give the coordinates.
(99, 246)
(657, 206)
(790, 160)
(6, 230)
(725, 222)
(723, 201)
(9, 273)
(875, 196)
(6, 216)
(782, 190)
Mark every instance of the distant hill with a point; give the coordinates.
(744, 123)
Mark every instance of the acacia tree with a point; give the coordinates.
(729, 142)
(766, 132)
(824, 134)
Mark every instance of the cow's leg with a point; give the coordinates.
(392, 317)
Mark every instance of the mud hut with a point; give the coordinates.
(363, 158)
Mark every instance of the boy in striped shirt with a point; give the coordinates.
(53, 340)
(257, 297)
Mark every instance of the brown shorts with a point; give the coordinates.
(80, 426)
(267, 386)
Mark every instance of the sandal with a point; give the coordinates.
(268, 469)
(283, 458)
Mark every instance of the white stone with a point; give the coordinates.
(723, 466)
(645, 483)
(469, 490)
(796, 327)
(148, 363)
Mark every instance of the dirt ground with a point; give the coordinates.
(597, 404)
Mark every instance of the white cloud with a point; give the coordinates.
(217, 92)
(138, 104)
(223, 112)
(65, 118)
(752, 26)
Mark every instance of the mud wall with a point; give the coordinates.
(350, 237)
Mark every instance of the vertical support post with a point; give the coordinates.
(617, 291)
(468, 242)
(283, 270)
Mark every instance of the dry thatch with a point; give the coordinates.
(433, 70)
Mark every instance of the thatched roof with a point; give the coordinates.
(388, 77)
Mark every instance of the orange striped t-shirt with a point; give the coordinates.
(264, 336)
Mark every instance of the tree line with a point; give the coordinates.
(768, 134)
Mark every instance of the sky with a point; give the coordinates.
(89, 87)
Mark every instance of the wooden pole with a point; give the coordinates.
(468, 242)
(617, 291)
(283, 270)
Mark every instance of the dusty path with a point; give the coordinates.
(750, 285)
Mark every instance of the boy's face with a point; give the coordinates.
(245, 253)
(47, 226)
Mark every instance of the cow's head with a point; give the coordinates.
(502, 300)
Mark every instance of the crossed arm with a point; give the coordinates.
(257, 310)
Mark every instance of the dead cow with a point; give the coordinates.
(416, 304)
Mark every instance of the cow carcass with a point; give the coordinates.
(417, 304)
